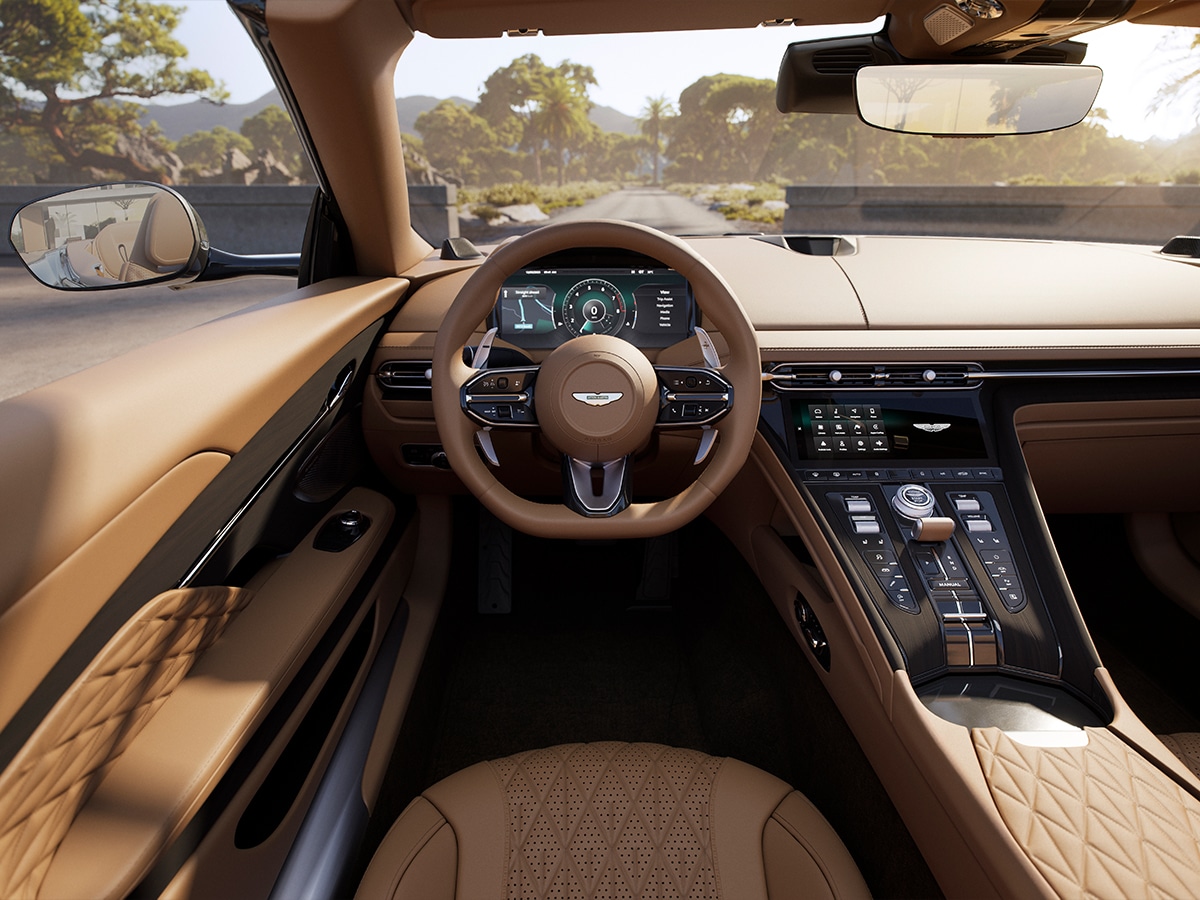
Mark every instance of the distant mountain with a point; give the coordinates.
(201, 115)
(610, 119)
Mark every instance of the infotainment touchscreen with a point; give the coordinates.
(887, 426)
(545, 306)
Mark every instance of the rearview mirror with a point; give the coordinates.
(975, 99)
(108, 236)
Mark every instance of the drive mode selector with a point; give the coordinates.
(913, 501)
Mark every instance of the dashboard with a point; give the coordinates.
(587, 292)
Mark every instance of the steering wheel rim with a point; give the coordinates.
(743, 369)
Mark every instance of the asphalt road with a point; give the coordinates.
(654, 207)
(46, 334)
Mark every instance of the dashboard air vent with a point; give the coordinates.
(405, 379)
(842, 60)
(815, 376)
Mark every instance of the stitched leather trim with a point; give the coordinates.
(1097, 821)
(53, 775)
(609, 820)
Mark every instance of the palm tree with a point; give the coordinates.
(562, 114)
(653, 121)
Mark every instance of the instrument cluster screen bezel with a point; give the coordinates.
(564, 296)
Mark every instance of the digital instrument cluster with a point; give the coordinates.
(544, 305)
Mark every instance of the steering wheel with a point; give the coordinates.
(597, 399)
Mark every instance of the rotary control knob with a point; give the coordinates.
(913, 501)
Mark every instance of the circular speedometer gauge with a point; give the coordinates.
(594, 306)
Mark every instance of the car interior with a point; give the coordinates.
(603, 562)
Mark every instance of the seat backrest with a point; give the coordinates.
(611, 820)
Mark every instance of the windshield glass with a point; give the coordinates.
(680, 131)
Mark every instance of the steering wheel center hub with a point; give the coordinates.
(597, 398)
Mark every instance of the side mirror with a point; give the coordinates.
(110, 236)
(975, 99)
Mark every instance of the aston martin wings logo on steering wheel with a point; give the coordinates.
(597, 398)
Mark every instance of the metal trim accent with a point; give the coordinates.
(337, 393)
(612, 500)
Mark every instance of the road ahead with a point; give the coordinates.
(654, 207)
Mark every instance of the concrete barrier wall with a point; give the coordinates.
(1134, 213)
(263, 219)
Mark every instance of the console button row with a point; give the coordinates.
(826, 412)
(958, 474)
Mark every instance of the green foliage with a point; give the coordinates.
(724, 128)
(207, 150)
(657, 118)
(485, 202)
(529, 104)
(761, 203)
(1187, 176)
(463, 145)
(68, 71)
(270, 131)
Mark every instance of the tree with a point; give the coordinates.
(458, 142)
(512, 100)
(207, 150)
(69, 70)
(561, 117)
(655, 118)
(724, 127)
(272, 133)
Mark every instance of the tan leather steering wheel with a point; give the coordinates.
(597, 398)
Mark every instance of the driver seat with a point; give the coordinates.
(611, 820)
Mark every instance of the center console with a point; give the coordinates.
(932, 521)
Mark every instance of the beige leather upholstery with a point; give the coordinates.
(1187, 747)
(51, 778)
(1097, 821)
(611, 820)
(165, 241)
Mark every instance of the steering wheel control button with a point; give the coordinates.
(913, 501)
(501, 397)
(690, 397)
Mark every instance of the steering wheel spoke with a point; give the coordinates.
(501, 398)
(691, 396)
(596, 489)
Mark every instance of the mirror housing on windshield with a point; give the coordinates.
(975, 99)
(110, 236)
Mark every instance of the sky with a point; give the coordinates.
(1136, 60)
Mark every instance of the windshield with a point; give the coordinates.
(680, 131)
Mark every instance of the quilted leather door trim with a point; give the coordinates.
(56, 771)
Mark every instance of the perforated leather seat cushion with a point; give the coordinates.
(611, 820)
